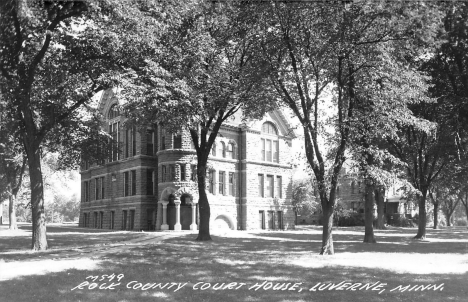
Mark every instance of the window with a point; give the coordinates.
(149, 182)
(163, 139)
(149, 142)
(86, 191)
(101, 219)
(95, 221)
(211, 181)
(271, 220)
(178, 141)
(230, 151)
(270, 186)
(193, 176)
(126, 184)
(112, 219)
(269, 150)
(130, 141)
(269, 128)
(85, 220)
(222, 149)
(338, 190)
(114, 131)
(221, 182)
(260, 185)
(352, 187)
(124, 220)
(131, 222)
(103, 187)
(353, 206)
(133, 180)
(163, 174)
(113, 112)
(261, 219)
(231, 183)
(213, 149)
(279, 217)
(182, 172)
(279, 187)
(97, 189)
(359, 186)
(172, 173)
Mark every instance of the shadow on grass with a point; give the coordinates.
(224, 260)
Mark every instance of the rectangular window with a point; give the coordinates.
(163, 174)
(178, 141)
(101, 219)
(353, 206)
(193, 176)
(103, 187)
(134, 141)
(271, 220)
(96, 188)
(279, 217)
(163, 139)
(149, 182)
(86, 192)
(172, 173)
(133, 182)
(263, 149)
(260, 185)
(268, 150)
(124, 220)
(261, 220)
(85, 220)
(128, 139)
(112, 219)
(114, 148)
(131, 221)
(221, 182)
(276, 151)
(270, 186)
(182, 172)
(126, 184)
(149, 142)
(231, 183)
(279, 187)
(211, 182)
(95, 216)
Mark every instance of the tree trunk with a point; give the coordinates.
(203, 205)
(12, 213)
(327, 239)
(422, 217)
(380, 199)
(39, 232)
(369, 213)
(1, 212)
(436, 215)
(448, 217)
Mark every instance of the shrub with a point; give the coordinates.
(402, 221)
(461, 222)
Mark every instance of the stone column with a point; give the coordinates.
(194, 226)
(177, 225)
(164, 225)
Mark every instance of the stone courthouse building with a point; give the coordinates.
(149, 183)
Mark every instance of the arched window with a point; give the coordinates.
(269, 128)
(222, 149)
(269, 145)
(230, 151)
(113, 112)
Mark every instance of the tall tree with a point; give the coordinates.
(205, 77)
(55, 55)
(317, 51)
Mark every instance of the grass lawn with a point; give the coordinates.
(93, 265)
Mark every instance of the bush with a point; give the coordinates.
(402, 221)
(348, 218)
(461, 222)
